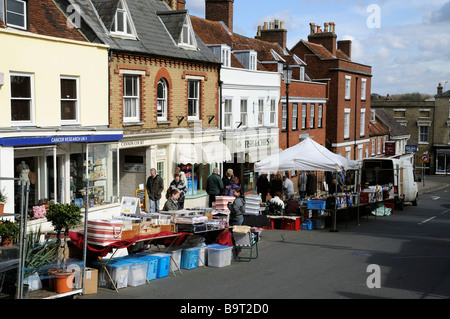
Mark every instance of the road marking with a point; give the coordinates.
(435, 197)
(445, 212)
(426, 220)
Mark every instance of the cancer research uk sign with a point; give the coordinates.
(18, 141)
(411, 149)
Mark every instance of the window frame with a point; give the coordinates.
(362, 123)
(164, 99)
(127, 22)
(294, 116)
(25, 15)
(187, 27)
(273, 112)
(320, 116)
(31, 99)
(304, 115)
(77, 100)
(260, 119)
(363, 89)
(243, 115)
(283, 117)
(312, 115)
(137, 98)
(348, 80)
(346, 124)
(195, 99)
(421, 134)
(228, 114)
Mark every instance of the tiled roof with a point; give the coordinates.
(323, 53)
(213, 32)
(154, 37)
(378, 129)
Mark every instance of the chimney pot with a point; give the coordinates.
(282, 25)
(325, 27)
(270, 25)
(313, 28)
(266, 26)
(276, 23)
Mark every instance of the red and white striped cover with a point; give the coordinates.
(222, 202)
(103, 232)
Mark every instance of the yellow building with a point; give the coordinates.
(54, 128)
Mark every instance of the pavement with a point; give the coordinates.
(432, 183)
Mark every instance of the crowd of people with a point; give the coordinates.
(278, 188)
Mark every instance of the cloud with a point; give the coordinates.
(442, 15)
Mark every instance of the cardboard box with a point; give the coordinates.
(91, 283)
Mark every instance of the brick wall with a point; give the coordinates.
(176, 73)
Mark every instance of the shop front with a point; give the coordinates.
(56, 165)
(247, 147)
(443, 161)
(195, 152)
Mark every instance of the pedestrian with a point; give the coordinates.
(182, 175)
(288, 187)
(155, 186)
(311, 184)
(237, 208)
(276, 185)
(172, 203)
(263, 186)
(227, 178)
(181, 186)
(233, 184)
(301, 184)
(214, 186)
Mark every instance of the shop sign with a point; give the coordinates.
(19, 141)
(411, 149)
(389, 148)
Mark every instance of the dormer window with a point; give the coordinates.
(252, 61)
(122, 23)
(16, 14)
(225, 56)
(187, 37)
(248, 58)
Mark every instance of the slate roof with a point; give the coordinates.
(395, 129)
(156, 25)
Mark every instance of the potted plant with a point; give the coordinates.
(3, 199)
(9, 231)
(63, 217)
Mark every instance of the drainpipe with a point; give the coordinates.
(356, 116)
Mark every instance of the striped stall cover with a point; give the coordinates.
(103, 232)
(222, 202)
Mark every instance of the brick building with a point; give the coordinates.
(349, 82)
(163, 91)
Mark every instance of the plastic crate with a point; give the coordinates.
(175, 262)
(137, 273)
(308, 225)
(118, 270)
(219, 255)
(291, 224)
(152, 265)
(316, 204)
(189, 258)
(163, 264)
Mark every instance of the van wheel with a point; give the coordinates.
(416, 201)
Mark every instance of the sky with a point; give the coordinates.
(407, 43)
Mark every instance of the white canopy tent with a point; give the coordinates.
(306, 156)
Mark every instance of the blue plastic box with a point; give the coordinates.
(316, 204)
(152, 268)
(189, 258)
(163, 264)
(308, 225)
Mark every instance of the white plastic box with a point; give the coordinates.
(219, 255)
(118, 271)
(137, 272)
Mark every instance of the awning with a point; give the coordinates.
(208, 153)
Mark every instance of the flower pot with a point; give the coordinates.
(63, 282)
(6, 242)
(2, 209)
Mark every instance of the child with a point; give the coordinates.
(237, 208)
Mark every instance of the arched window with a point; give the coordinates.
(162, 101)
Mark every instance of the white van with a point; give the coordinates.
(398, 172)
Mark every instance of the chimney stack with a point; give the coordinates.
(176, 4)
(346, 47)
(220, 10)
(326, 38)
(275, 33)
(440, 88)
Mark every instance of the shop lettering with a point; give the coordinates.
(69, 139)
(197, 309)
(258, 143)
(132, 143)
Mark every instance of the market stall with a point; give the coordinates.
(310, 156)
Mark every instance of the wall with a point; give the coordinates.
(50, 59)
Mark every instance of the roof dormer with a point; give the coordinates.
(122, 23)
(179, 26)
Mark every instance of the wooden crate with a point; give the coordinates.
(149, 230)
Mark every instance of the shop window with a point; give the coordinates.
(99, 164)
(21, 98)
(69, 99)
(196, 175)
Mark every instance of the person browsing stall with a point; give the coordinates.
(172, 202)
(237, 208)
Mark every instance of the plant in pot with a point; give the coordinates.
(9, 231)
(63, 217)
(3, 199)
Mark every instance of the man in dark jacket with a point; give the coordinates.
(214, 186)
(155, 186)
(263, 186)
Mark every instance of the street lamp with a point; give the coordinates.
(287, 77)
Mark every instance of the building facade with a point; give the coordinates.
(55, 125)
(349, 82)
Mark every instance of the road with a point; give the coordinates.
(410, 250)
